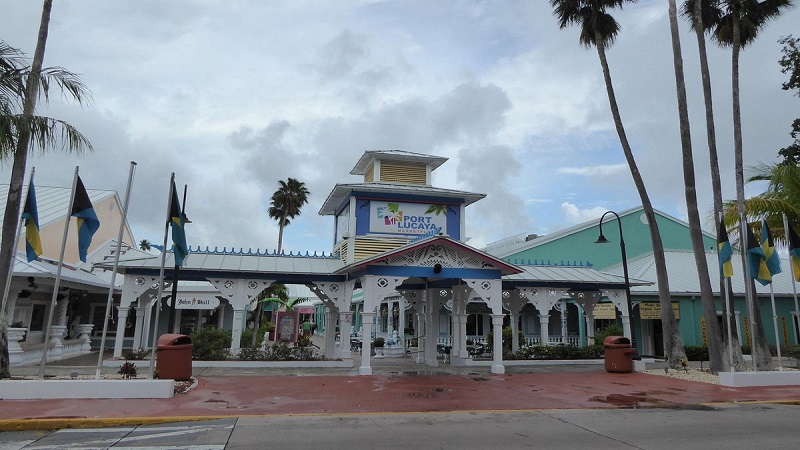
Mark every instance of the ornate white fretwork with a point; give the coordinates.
(431, 255)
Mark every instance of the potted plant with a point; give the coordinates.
(378, 343)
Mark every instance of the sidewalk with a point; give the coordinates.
(398, 386)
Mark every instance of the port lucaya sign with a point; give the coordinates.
(406, 218)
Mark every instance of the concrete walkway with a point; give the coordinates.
(398, 386)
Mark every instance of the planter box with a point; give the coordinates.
(742, 379)
(53, 389)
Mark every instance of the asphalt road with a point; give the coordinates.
(726, 426)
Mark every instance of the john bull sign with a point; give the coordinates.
(197, 303)
(407, 218)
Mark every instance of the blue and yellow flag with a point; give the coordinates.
(768, 245)
(88, 223)
(724, 251)
(177, 222)
(30, 216)
(757, 259)
(794, 250)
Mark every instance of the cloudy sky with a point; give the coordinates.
(234, 95)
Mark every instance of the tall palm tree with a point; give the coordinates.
(739, 23)
(693, 11)
(19, 132)
(716, 350)
(599, 29)
(286, 204)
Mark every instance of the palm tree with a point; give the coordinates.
(144, 245)
(286, 204)
(693, 11)
(19, 132)
(717, 359)
(739, 24)
(599, 29)
(274, 293)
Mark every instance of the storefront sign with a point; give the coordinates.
(652, 310)
(407, 218)
(197, 303)
(605, 311)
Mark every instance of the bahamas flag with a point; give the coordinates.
(30, 216)
(757, 259)
(794, 250)
(724, 251)
(768, 245)
(88, 223)
(177, 222)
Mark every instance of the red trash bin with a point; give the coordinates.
(618, 354)
(174, 357)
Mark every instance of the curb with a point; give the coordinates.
(83, 422)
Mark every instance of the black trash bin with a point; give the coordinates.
(618, 354)
(174, 359)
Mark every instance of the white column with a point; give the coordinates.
(544, 328)
(514, 319)
(330, 335)
(589, 328)
(344, 332)
(497, 343)
(239, 316)
(366, 342)
(63, 306)
(422, 328)
(463, 325)
(626, 327)
(432, 330)
(122, 318)
(137, 330)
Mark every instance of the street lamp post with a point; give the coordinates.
(602, 240)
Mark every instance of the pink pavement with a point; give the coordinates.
(216, 396)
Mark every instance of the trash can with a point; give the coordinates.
(618, 354)
(174, 357)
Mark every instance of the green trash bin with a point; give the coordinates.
(618, 354)
(174, 357)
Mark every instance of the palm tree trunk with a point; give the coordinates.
(14, 201)
(760, 352)
(673, 345)
(716, 183)
(717, 358)
(280, 234)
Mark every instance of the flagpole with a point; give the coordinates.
(775, 325)
(161, 279)
(728, 308)
(749, 290)
(786, 229)
(7, 287)
(58, 277)
(110, 299)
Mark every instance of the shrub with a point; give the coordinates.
(247, 335)
(136, 353)
(210, 344)
(127, 370)
(378, 342)
(696, 352)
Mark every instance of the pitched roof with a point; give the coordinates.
(52, 202)
(395, 155)
(504, 267)
(342, 192)
(515, 244)
(683, 278)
